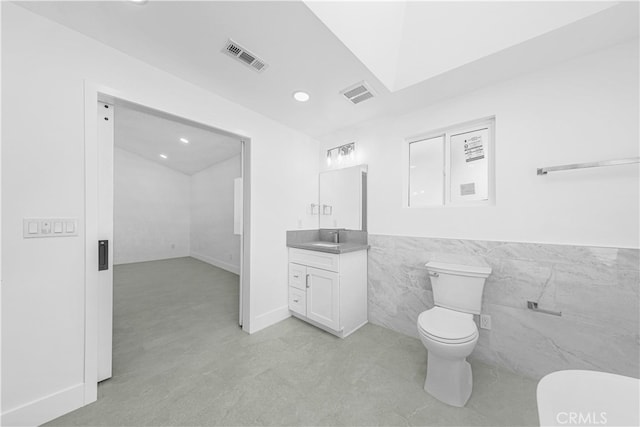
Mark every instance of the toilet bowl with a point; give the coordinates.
(449, 337)
(448, 330)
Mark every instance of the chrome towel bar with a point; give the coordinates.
(544, 171)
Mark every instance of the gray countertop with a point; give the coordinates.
(341, 248)
(350, 240)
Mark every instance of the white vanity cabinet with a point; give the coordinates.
(329, 290)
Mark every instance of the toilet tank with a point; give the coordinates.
(458, 287)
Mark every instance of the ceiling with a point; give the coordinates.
(404, 43)
(304, 52)
(148, 135)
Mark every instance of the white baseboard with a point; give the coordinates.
(216, 262)
(269, 318)
(149, 259)
(45, 409)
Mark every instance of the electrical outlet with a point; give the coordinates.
(485, 321)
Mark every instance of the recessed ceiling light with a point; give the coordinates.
(301, 96)
(164, 156)
(185, 140)
(138, 1)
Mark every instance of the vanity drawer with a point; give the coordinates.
(317, 259)
(298, 301)
(297, 276)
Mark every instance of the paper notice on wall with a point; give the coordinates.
(474, 147)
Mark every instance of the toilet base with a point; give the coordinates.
(449, 380)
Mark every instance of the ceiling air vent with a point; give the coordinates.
(236, 51)
(358, 92)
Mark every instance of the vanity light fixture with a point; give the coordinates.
(164, 156)
(185, 140)
(340, 153)
(301, 96)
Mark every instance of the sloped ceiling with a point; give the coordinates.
(404, 43)
(148, 135)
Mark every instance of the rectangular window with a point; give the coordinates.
(425, 171)
(452, 166)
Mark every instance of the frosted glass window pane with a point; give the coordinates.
(426, 183)
(470, 166)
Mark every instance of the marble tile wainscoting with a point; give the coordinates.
(595, 288)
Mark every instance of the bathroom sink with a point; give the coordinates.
(326, 245)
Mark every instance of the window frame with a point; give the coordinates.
(449, 131)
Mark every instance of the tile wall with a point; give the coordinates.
(596, 289)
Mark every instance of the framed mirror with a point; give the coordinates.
(343, 198)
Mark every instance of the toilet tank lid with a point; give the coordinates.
(467, 270)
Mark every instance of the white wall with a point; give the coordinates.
(212, 238)
(160, 213)
(578, 111)
(151, 210)
(44, 68)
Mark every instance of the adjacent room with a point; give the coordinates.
(395, 213)
(174, 189)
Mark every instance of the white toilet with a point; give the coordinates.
(448, 330)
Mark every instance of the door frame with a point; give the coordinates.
(94, 93)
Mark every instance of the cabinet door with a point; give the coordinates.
(323, 297)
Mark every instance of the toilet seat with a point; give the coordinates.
(447, 326)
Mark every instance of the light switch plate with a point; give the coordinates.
(49, 227)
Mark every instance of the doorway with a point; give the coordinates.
(100, 227)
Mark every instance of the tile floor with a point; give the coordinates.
(180, 359)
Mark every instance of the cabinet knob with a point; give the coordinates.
(307, 281)
(295, 300)
(296, 276)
